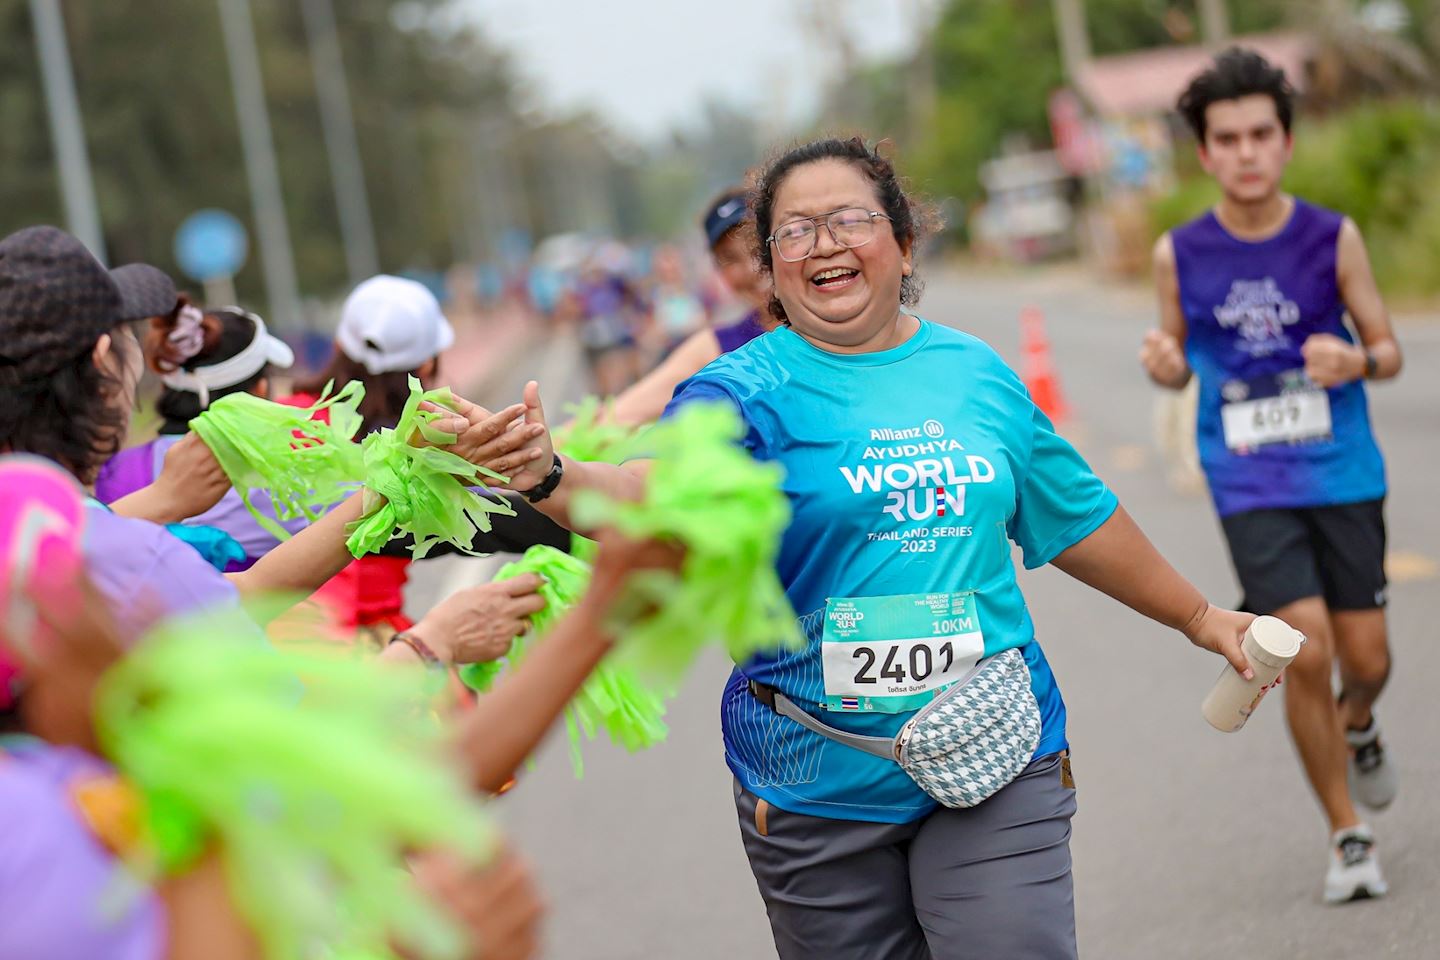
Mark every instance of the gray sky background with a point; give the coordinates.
(647, 65)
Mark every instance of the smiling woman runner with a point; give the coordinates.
(906, 494)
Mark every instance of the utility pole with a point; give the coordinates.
(1074, 36)
(260, 168)
(828, 22)
(67, 131)
(337, 123)
(923, 94)
(1214, 22)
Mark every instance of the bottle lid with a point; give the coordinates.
(1273, 641)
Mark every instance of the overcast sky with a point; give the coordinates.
(648, 64)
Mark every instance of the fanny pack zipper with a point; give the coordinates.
(902, 739)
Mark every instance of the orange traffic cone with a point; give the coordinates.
(1038, 368)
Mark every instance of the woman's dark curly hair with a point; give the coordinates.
(910, 220)
(63, 408)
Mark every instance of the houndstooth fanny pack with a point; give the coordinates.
(964, 745)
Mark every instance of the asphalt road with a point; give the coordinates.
(1189, 844)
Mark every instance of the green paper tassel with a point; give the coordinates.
(612, 698)
(315, 773)
(427, 490)
(706, 492)
(586, 437)
(306, 465)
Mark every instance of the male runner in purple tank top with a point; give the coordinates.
(1253, 297)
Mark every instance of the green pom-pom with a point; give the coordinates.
(707, 493)
(426, 490)
(315, 774)
(306, 465)
(612, 698)
(588, 437)
(480, 677)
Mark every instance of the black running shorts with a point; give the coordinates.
(1337, 553)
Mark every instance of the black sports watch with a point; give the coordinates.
(1371, 365)
(544, 488)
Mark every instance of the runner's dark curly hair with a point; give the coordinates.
(910, 220)
(1236, 73)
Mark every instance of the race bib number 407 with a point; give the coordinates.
(894, 654)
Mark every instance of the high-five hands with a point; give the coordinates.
(513, 442)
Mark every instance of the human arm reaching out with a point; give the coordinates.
(1119, 560)
(190, 482)
(305, 561)
(509, 722)
(476, 624)
(645, 401)
(1330, 360)
(1162, 353)
(522, 449)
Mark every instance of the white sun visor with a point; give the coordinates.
(263, 349)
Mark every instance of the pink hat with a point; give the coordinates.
(42, 518)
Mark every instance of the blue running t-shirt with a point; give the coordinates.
(1268, 436)
(909, 471)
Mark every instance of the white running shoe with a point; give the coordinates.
(1372, 775)
(1354, 868)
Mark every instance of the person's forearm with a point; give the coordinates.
(618, 483)
(201, 919)
(149, 503)
(308, 559)
(645, 401)
(1119, 560)
(507, 534)
(1177, 382)
(1388, 359)
(509, 722)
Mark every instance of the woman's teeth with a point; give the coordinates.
(832, 275)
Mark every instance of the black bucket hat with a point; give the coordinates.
(56, 299)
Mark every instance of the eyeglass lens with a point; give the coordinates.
(853, 227)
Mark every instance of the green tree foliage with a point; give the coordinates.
(995, 64)
(429, 94)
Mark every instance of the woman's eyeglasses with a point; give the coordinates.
(849, 227)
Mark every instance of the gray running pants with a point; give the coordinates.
(988, 883)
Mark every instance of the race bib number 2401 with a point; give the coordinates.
(894, 654)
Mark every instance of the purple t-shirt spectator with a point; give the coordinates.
(146, 574)
(64, 895)
(137, 467)
(739, 333)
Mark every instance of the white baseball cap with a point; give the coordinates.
(390, 323)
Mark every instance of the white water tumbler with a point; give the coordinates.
(1269, 646)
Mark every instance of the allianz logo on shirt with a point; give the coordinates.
(922, 479)
(933, 429)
